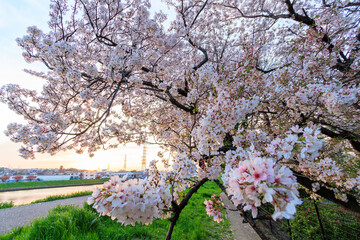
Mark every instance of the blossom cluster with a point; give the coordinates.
(221, 117)
(335, 97)
(327, 170)
(210, 169)
(303, 144)
(133, 200)
(260, 180)
(215, 207)
(184, 166)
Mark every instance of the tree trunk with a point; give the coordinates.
(182, 205)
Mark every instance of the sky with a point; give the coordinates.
(15, 17)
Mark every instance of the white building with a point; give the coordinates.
(89, 175)
(75, 175)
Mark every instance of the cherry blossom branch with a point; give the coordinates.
(178, 104)
(242, 212)
(351, 205)
(178, 208)
(353, 138)
(350, 4)
(206, 58)
(205, 89)
(342, 65)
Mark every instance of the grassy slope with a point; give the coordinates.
(6, 205)
(48, 183)
(62, 196)
(337, 224)
(68, 222)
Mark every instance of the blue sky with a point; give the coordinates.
(15, 17)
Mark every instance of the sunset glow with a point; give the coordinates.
(15, 17)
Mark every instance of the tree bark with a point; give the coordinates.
(182, 205)
(351, 206)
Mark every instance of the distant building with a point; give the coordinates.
(105, 174)
(132, 175)
(75, 175)
(89, 175)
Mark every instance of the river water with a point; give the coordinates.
(28, 196)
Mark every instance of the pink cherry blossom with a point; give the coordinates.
(255, 92)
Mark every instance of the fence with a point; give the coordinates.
(314, 220)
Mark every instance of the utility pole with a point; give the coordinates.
(143, 161)
(125, 163)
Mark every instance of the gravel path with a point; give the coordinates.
(19, 216)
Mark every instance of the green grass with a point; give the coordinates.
(6, 205)
(69, 222)
(62, 196)
(49, 183)
(336, 223)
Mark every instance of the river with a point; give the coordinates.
(28, 196)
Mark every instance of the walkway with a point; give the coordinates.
(19, 216)
(241, 231)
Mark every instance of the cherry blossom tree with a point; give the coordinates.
(4, 178)
(31, 177)
(262, 94)
(18, 178)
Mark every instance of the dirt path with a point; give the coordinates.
(19, 216)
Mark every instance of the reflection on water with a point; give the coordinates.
(28, 196)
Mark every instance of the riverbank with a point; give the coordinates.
(30, 195)
(9, 187)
